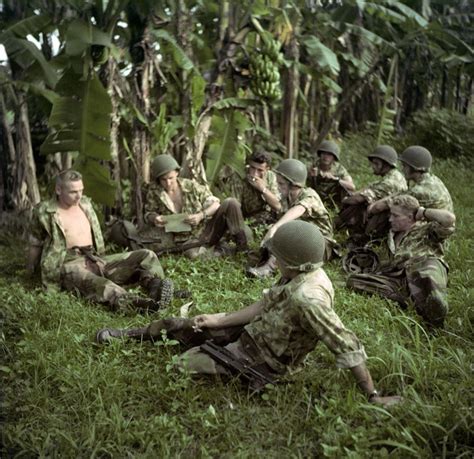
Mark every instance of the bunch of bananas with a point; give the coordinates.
(264, 70)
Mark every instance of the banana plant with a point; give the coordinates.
(387, 114)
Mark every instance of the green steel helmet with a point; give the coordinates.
(294, 171)
(328, 146)
(419, 158)
(163, 164)
(299, 245)
(385, 153)
(360, 260)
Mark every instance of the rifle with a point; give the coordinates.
(256, 379)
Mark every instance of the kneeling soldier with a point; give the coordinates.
(277, 332)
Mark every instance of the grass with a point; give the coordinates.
(64, 396)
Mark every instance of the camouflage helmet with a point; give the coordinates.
(385, 153)
(294, 171)
(328, 146)
(360, 260)
(419, 158)
(299, 245)
(163, 164)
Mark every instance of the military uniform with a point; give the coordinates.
(87, 270)
(316, 213)
(296, 315)
(354, 216)
(416, 270)
(330, 191)
(252, 203)
(431, 193)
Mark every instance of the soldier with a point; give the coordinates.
(168, 194)
(298, 202)
(258, 192)
(354, 208)
(66, 240)
(329, 177)
(416, 269)
(422, 185)
(276, 333)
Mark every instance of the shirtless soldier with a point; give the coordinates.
(66, 240)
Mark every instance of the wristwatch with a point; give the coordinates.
(373, 394)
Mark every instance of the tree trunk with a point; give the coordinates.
(8, 155)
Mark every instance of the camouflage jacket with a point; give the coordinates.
(391, 183)
(46, 232)
(326, 187)
(251, 200)
(196, 198)
(431, 193)
(315, 212)
(424, 239)
(295, 317)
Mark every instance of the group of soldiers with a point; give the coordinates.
(409, 214)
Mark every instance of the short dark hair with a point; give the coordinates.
(260, 157)
(67, 176)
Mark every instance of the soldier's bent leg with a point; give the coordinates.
(391, 287)
(427, 282)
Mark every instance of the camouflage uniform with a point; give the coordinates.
(431, 193)
(330, 191)
(416, 270)
(88, 271)
(253, 205)
(316, 213)
(296, 315)
(355, 217)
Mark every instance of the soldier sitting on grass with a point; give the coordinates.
(276, 333)
(353, 215)
(298, 202)
(66, 240)
(416, 269)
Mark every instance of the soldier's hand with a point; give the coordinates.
(206, 321)
(327, 174)
(386, 401)
(258, 183)
(159, 221)
(194, 219)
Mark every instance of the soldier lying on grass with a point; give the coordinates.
(277, 332)
(416, 269)
(66, 240)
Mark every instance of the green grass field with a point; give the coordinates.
(64, 396)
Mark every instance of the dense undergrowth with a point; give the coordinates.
(64, 396)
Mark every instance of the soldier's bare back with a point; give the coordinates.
(76, 226)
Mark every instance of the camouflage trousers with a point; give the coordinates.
(361, 226)
(330, 191)
(423, 281)
(234, 339)
(100, 278)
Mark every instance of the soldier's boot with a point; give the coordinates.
(241, 241)
(105, 335)
(162, 291)
(129, 303)
(265, 270)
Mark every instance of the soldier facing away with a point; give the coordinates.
(276, 333)
(66, 240)
(353, 215)
(298, 202)
(329, 177)
(416, 269)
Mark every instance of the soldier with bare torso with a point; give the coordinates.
(66, 240)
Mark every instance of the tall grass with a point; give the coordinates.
(64, 396)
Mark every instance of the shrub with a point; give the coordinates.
(445, 133)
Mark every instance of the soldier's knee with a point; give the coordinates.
(230, 203)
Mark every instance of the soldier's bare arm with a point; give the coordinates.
(347, 183)
(366, 385)
(292, 214)
(222, 320)
(441, 216)
(378, 206)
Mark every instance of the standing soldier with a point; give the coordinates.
(329, 177)
(66, 240)
(416, 269)
(298, 202)
(354, 208)
(274, 334)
